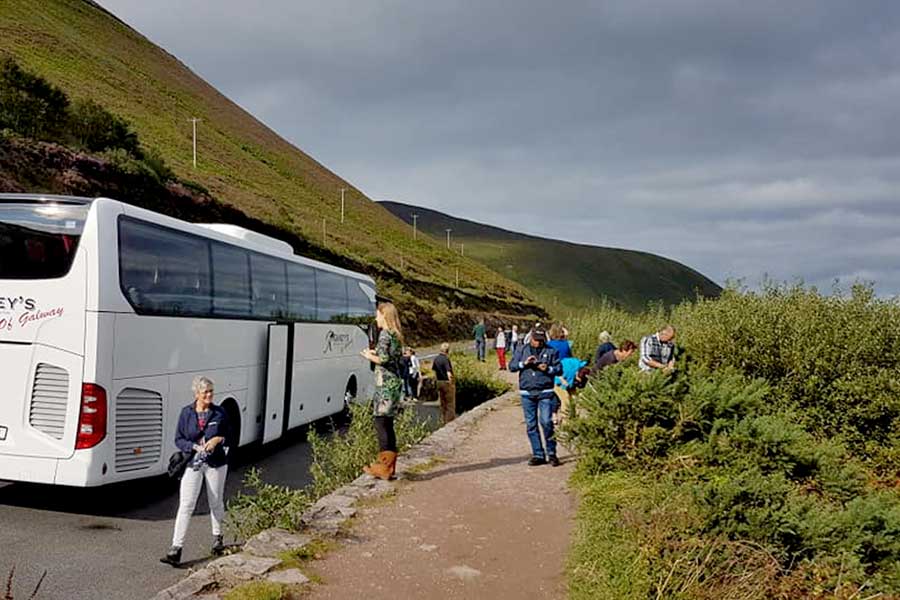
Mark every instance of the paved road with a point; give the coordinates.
(105, 543)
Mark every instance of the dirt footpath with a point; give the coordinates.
(481, 524)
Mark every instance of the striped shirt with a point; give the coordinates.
(654, 349)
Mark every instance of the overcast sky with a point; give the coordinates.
(741, 138)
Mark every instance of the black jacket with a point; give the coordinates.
(189, 433)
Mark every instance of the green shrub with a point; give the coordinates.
(257, 590)
(29, 105)
(340, 457)
(476, 382)
(95, 129)
(263, 505)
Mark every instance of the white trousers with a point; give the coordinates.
(191, 483)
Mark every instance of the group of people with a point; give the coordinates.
(506, 340)
(549, 376)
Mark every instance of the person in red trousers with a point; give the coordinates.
(500, 345)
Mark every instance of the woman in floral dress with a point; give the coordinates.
(388, 386)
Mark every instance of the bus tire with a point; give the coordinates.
(234, 424)
(349, 397)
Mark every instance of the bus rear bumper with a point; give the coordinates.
(28, 468)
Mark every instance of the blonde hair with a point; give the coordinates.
(556, 331)
(604, 337)
(391, 319)
(445, 347)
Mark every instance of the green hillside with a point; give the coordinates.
(90, 54)
(562, 273)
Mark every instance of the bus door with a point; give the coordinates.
(277, 365)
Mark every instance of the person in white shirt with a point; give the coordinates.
(500, 345)
(414, 374)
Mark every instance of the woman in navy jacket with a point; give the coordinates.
(202, 431)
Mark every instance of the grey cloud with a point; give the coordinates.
(739, 137)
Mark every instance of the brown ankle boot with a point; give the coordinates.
(380, 468)
(391, 464)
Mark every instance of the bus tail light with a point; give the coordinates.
(92, 419)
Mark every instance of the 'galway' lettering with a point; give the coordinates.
(39, 315)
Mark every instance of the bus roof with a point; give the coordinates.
(50, 198)
(210, 230)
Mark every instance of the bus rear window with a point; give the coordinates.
(38, 241)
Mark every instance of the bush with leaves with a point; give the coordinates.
(742, 470)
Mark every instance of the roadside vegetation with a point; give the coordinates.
(476, 381)
(338, 459)
(764, 467)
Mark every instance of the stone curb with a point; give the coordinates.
(330, 512)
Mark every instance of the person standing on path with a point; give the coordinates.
(513, 340)
(201, 432)
(500, 345)
(405, 364)
(658, 350)
(415, 373)
(478, 332)
(443, 373)
(386, 358)
(537, 365)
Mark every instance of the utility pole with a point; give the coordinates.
(462, 249)
(415, 218)
(448, 238)
(194, 121)
(457, 276)
(342, 203)
(323, 231)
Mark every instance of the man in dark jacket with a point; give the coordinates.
(537, 365)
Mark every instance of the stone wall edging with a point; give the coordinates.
(327, 515)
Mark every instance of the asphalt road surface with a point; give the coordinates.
(105, 543)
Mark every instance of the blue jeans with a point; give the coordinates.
(540, 411)
(479, 348)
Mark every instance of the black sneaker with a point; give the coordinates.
(218, 548)
(554, 462)
(172, 557)
(535, 461)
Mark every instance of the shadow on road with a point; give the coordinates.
(285, 462)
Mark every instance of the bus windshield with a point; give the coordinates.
(38, 240)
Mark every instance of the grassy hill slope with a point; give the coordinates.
(85, 50)
(563, 273)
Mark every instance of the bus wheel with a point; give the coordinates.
(234, 423)
(349, 398)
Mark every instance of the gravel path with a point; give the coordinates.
(481, 524)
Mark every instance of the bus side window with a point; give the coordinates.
(269, 285)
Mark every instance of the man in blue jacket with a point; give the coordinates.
(537, 365)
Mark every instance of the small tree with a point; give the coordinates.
(96, 129)
(29, 105)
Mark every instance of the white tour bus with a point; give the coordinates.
(108, 311)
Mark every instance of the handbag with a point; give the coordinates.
(178, 462)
